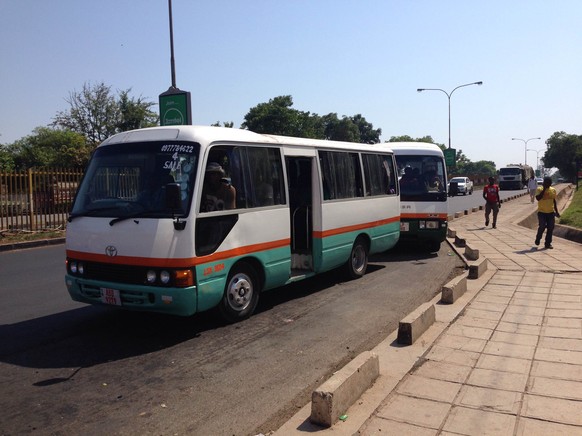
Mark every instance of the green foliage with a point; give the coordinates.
(407, 138)
(6, 159)
(135, 114)
(50, 147)
(228, 124)
(572, 216)
(278, 118)
(482, 167)
(563, 150)
(97, 113)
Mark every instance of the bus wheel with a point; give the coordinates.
(358, 261)
(433, 246)
(241, 293)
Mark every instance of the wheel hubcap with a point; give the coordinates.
(240, 292)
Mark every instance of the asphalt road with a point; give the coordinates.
(67, 368)
(460, 203)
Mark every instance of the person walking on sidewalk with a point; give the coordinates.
(492, 201)
(547, 211)
(532, 186)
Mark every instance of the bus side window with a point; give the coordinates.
(266, 174)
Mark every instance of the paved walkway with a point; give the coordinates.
(505, 359)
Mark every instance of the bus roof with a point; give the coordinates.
(414, 148)
(206, 135)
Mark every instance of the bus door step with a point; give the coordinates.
(301, 262)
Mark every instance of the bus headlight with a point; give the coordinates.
(81, 268)
(165, 277)
(73, 267)
(151, 276)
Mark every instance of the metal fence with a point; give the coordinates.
(37, 199)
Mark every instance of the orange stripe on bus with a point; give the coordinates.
(340, 230)
(177, 263)
(423, 215)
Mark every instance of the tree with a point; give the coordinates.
(563, 150)
(135, 114)
(6, 159)
(96, 113)
(482, 167)
(340, 130)
(350, 129)
(228, 124)
(275, 117)
(278, 118)
(50, 147)
(93, 112)
(368, 135)
(406, 138)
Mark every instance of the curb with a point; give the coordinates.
(31, 244)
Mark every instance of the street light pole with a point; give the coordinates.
(537, 158)
(449, 94)
(525, 145)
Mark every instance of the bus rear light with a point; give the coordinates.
(184, 278)
(432, 224)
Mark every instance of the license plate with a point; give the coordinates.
(110, 296)
(404, 227)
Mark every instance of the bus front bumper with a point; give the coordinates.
(173, 301)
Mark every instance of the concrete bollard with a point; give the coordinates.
(460, 242)
(335, 396)
(477, 268)
(415, 324)
(454, 289)
(471, 253)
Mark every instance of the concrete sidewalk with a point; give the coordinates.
(505, 358)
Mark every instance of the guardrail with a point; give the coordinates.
(37, 199)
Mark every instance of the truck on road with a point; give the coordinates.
(514, 176)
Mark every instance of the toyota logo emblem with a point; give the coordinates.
(111, 251)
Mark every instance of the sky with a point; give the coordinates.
(365, 57)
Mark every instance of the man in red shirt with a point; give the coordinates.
(493, 202)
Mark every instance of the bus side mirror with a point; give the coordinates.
(173, 197)
(174, 203)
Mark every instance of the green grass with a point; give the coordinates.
(15, 236)
(573, 215)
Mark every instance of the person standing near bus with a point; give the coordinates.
(532, 186)
(492, 201)
(547, 211)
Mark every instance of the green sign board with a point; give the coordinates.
(175, 108)
(450, 157)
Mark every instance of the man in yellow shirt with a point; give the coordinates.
(547, 211)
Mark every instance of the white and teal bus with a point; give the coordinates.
(183, 219)
(423, 193)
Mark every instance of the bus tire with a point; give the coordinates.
(241, 293)
(358, 262)
(433, 246)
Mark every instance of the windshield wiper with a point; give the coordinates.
(90, 212)
(135, 215)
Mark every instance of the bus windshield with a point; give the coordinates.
(422, 178)
(130, 180)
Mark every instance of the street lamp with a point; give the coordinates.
(448, 94)
(525, 145)
(537, 158)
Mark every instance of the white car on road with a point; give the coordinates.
(464, 185)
